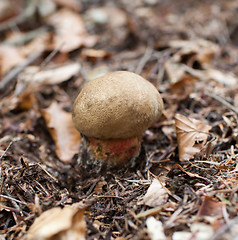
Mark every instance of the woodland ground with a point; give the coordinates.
(188, 50)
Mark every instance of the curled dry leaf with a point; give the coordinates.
(34, 77)
(225, 78)
(59, 123)
(156, 194)
(59, 224)
(191, 136)
(203, 49)
(70, 31)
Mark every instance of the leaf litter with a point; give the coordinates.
(185, 183)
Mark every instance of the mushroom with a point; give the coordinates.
(113, 111)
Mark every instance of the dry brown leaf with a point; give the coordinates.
(95, 54)
(40, 43)
(9, 57)
(70, 31)
(156, 194)
(191, 136)
(59, 123)
(210, 208)
(59, 224)
(34, 77)
(203, 49)
(225, 78)
(184, 87)
(174, 70)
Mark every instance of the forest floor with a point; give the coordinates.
(184, 185)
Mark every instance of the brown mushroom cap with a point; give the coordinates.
(118, 105)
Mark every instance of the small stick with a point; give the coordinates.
(9, 145)
(144, 60)
(50, 56)
(13, 199)
(223, 101)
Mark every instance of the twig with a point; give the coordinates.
(50, 56)
(10, 209)
(223, 101)
(153, 211)
(144, 60)
(13, 199)
(54, 179)
(9, 145)
(27, 37)
(15, 71)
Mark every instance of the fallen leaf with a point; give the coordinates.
(41, 43)
(203, 49)
(70, 31)
(191, 136)
(9, 57)
(59, 123)
(183, 87)
(156, 194)
(8, 10)
(225, 78)
(210, 208)
(155, 229)
(95, 54)
(33, 76)
(174, 70)
(25, 101)
(59, 224)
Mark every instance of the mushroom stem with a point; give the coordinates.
(116, 151)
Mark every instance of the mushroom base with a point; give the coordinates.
(114, 151)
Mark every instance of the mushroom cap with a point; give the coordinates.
(117, 105)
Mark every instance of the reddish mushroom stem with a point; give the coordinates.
(118, 151)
